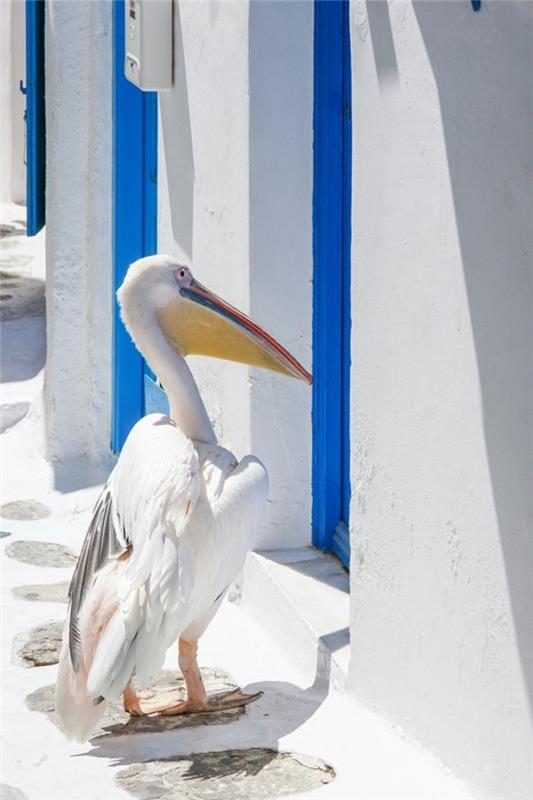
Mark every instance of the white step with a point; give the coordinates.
(301, 598)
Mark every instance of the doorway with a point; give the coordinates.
(331, 277)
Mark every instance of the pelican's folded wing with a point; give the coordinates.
(144, 508)
(102, 542)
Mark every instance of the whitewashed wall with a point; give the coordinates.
(12, 102)
(78, 218)
(281, 170)
(204, 181)
(442, 565)
(235, 188)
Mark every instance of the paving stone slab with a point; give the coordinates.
(15, 262)
(45, 592)
(41, 554)
(15, 228)
(26, 510)
(12, 413)
(116, 722)
(20, 295)
(11, 793)
(40, 646)
(251, 774)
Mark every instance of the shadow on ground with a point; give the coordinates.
(256, 772)
(22, 348)
(74, 474)
(283, 708)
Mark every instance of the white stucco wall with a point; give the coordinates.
(235, 185)
(78, 241)
(442, 553)
(204, 181)
(281, 298)
(12, 102)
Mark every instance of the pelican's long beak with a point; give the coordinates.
(201, 323)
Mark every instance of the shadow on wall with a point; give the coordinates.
(177, 142)
(382, 42)
(487, 116)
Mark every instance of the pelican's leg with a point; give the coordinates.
(197, 699)
(188, 663)
(132, 702)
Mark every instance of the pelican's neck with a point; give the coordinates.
(186, 405)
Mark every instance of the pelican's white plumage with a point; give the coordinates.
(189, 529)
(177, 516)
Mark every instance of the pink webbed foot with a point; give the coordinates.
(219, 702)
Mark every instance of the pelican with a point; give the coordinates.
(176, 518)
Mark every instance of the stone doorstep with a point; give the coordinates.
(301, 598)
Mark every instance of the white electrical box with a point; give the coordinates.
(148, 47)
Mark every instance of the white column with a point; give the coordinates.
(79, 234)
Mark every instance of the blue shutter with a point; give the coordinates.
(35, 117)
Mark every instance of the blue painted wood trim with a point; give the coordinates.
(331, 254)
(346, 263)
(155, 398)
(35, 118)
(134, 221)
(340, 542)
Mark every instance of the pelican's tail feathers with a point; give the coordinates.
(113, 662)
(79, 704)
(78, 712)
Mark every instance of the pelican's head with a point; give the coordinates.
(158, 290)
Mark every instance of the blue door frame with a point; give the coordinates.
(331, 277)
(134, 228)
(35, 117)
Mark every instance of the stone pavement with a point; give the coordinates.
(299, 739)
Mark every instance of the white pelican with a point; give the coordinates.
(176, 518)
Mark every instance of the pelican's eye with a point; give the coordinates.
(182, 275)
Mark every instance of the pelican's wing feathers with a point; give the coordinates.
(236, 494)
(143, 508)
(102, 542)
